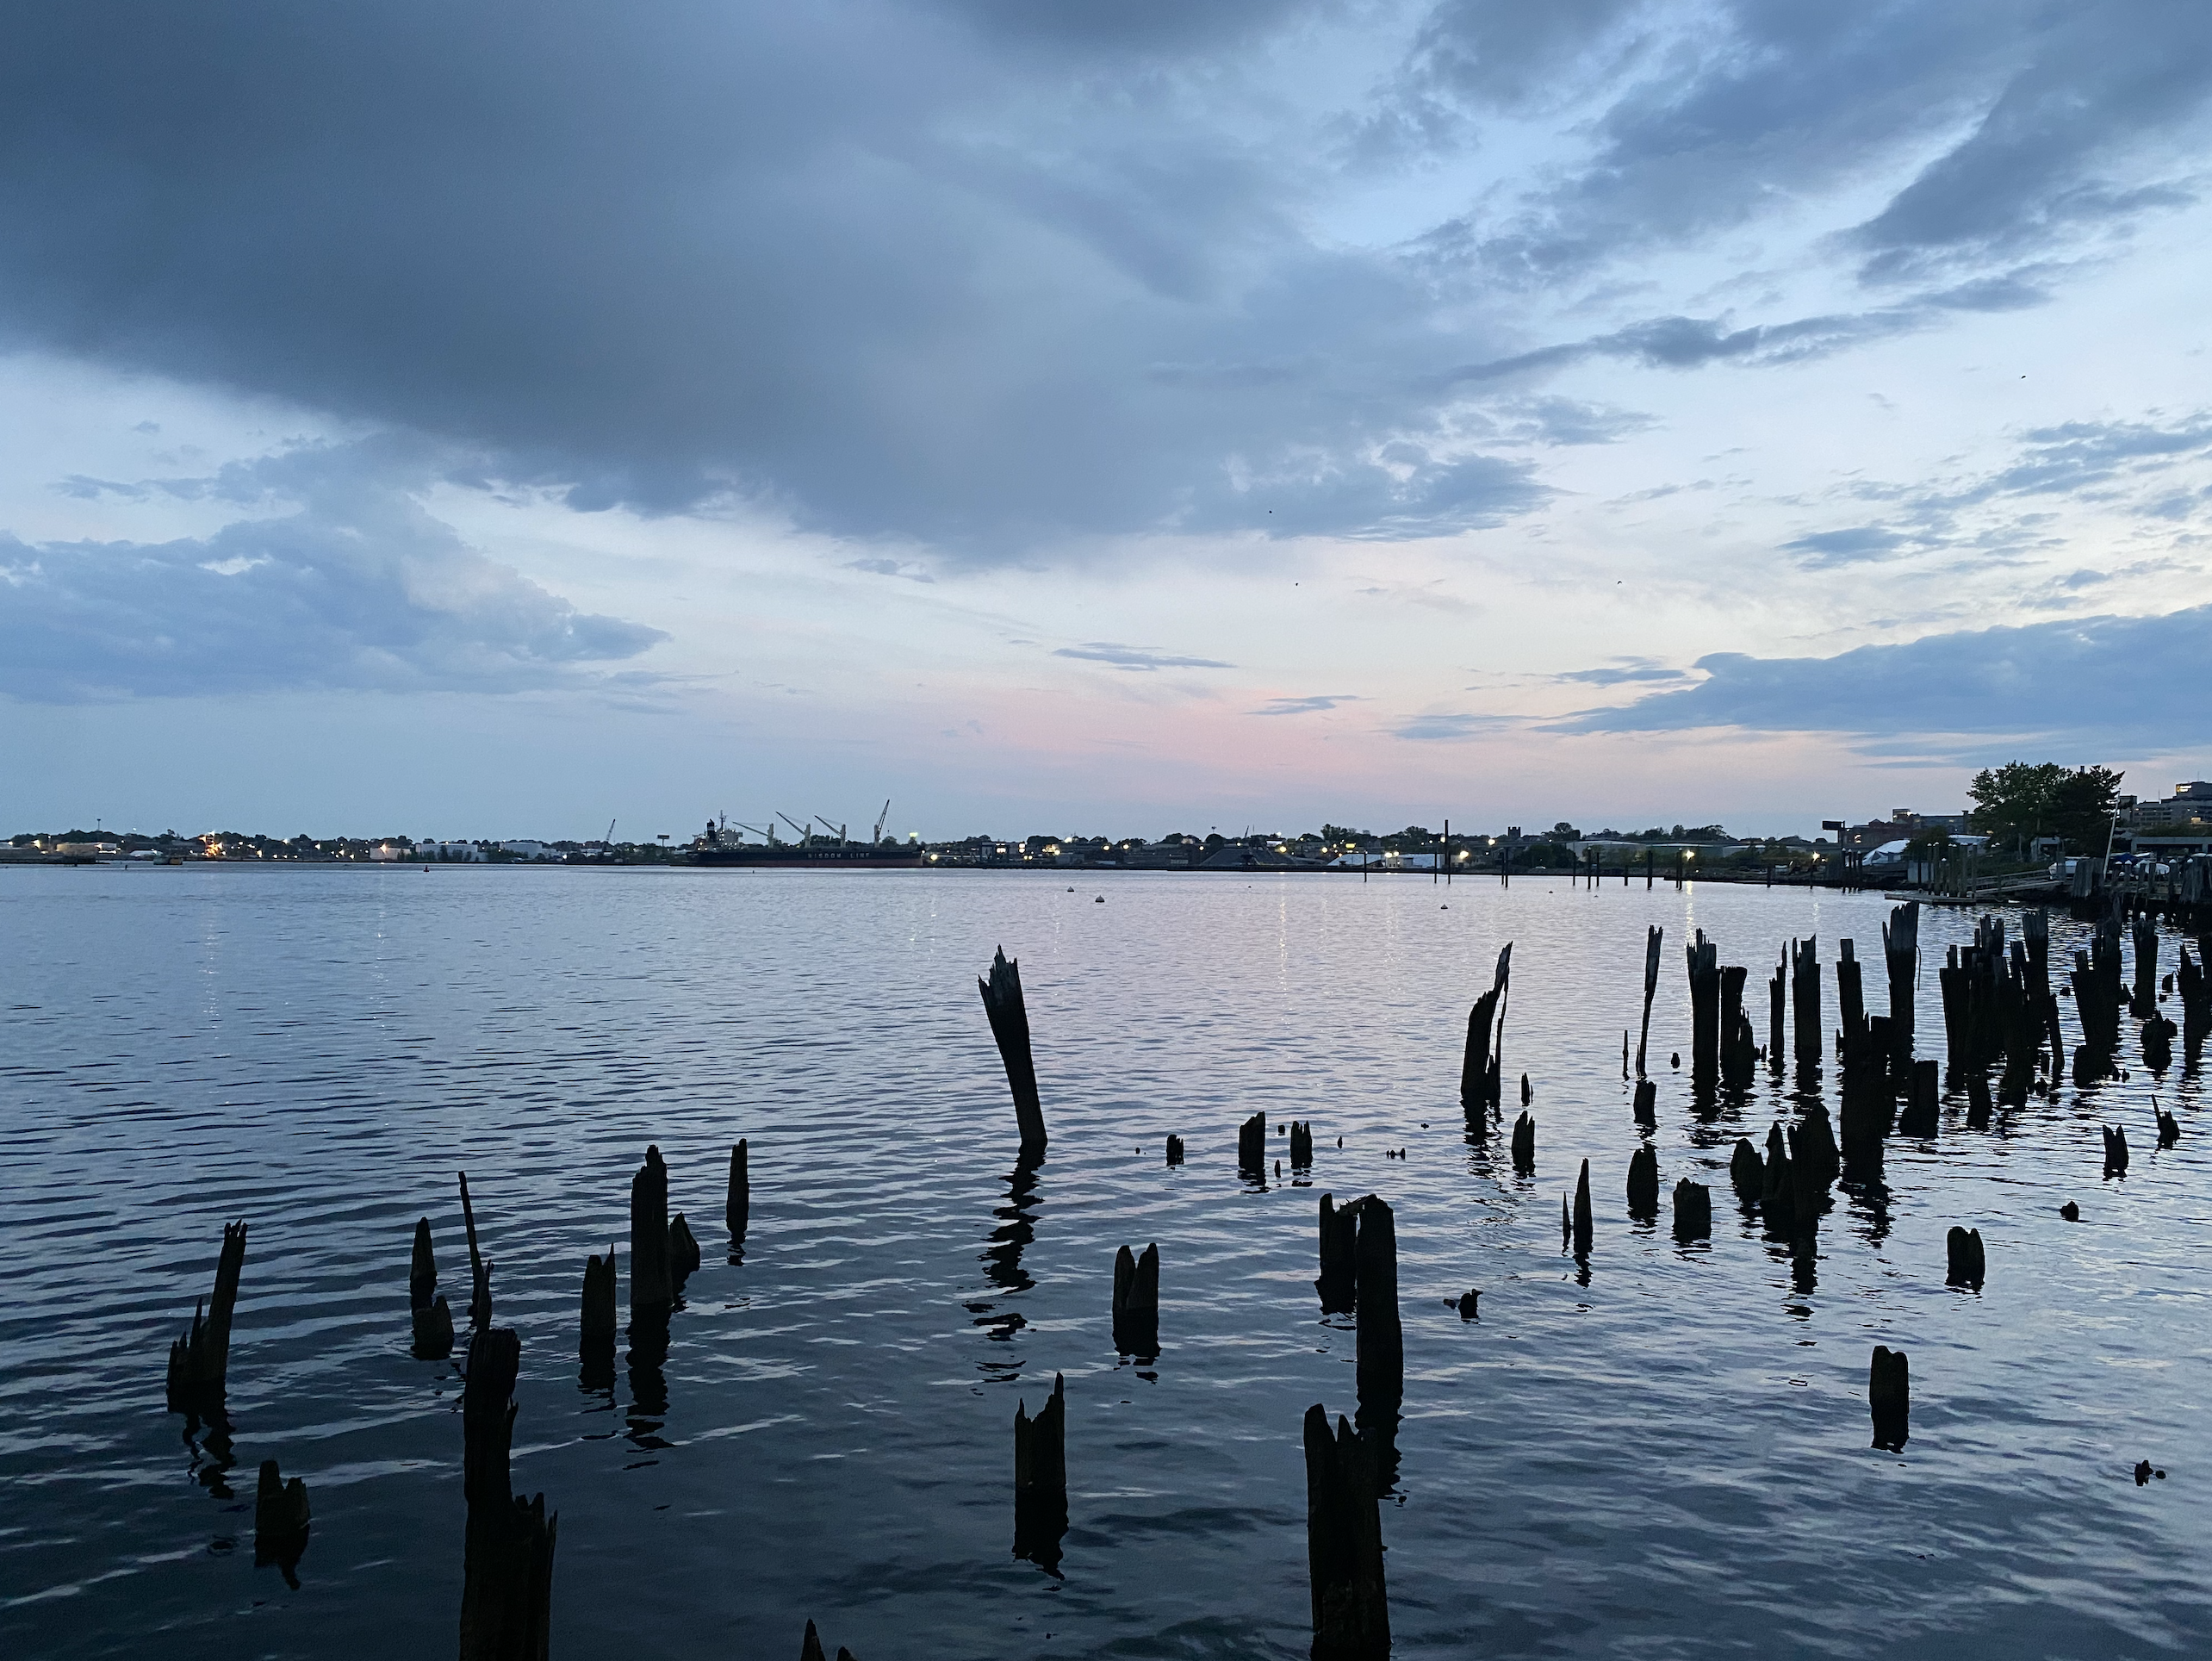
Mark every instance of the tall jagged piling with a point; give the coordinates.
(507, 1590)
(1901, 958)
(1584, 1224)
(432, 1316)
(199, 1362)
(1251, 1145)
(1136, 1302)
(1653, 935)
(1889, 1398)
(1338, 1285)
(2098, 996)
(1704, 1011)
(652, 1283)
(1041, 1479)
(1642, 1182)
(1805, 1001)
(737, 1210)
(1778, 1187)
(2145, 1002)
(1344, 1544)
(1010, 1025)
(1482, 1064)
(1381, 1340)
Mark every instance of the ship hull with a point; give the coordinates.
(811, 859)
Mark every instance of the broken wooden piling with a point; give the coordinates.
(1693, 1211)
(737, 1210)
(480, 1270)
(1923, 1114)
(1380, 1344)
(1747, 1171)
(1041, 1479)
(1889, 1398)
(652, 1283)
(1804, 1000)
(431, 1338)
(1642, 1182)
(280, 1520)
(1583, 1227)
(1338, 1284)
(1344, 1544)
(1965, 1264)
(2116, 1149)
(1175, 1150)
(1900, 959)
(2169, 1127)
(599, 1322)
(1136, 1302)
(1653, 935)
(2145, 1003)
(1301, 1143)
(1010, 1025)
(1704, 957)
(1523, 1144)
(1646, 1108)
(1251, 1145)
(683, 1251)
(508, 1587)
(1850, 989)
(199, 1362)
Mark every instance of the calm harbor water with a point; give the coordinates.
(1665, 1455)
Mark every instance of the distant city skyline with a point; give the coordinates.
(1064, 414)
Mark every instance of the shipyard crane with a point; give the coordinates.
(880, 818)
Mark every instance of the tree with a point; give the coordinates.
(2022, 800)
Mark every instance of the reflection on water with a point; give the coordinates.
(818, 1426)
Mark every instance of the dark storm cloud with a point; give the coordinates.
(2113, 676)
(986, 274)
(356, 587)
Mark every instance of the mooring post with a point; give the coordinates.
(1805, 995)
(1010, 1025)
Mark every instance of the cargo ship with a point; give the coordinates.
(716, 846)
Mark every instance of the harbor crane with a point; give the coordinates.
(880, 818)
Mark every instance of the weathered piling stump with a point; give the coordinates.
(2116, 1149)
(1251, 1145)
(1889, 1398)
(199, 1362)
(1804, 1000)
(1704, 958)
(2070, 1211)
(1647, 1103)
(1381, 1347)
(1136, 1302)
(1922, 1118)
(1979, 1109)
(1041, 1479)
(280, 1520)
(1964, 1265)
(1338, 1284)
(1739, 1049)
(1583, 1227)
(1301, 1143)
(1850, 988)
(1175, 1150)
(506, 1594)
(1778, 1188)
(1344, 1544)
(596, 1330)
(1010, 1026)
(2158, 1044)
(1644, 1183)
(652, 1279)
(683, 1250)
(738, 1208)
(431, 1338)
(1777, 1004)
(2145, 1003)
(1746, 1170)
(1900, 957)
(1524, 1145)
(2169, 1127)
(1693, 1211)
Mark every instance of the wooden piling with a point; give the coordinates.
(737, 1210)
(1175, 1150)
(1804, 1000)
(1380, 1346)
(1922, 1118)
(1747, 1171)
(2145, 1003)
(431, 1318)
(1889, 1398)
(1041, 1478)
(1705, 1010)
(599, 1322)
(652, 1285)
(683, 1251)
(1136, 1302)
(2116, 1149)
(1777, 1003)
(1584, 1224)
(1693, 1211)
(1646, 1108)
(1251, 1145)
(199, 1362)
(1642, 1182)
(507, 1588)
(1850, 989)
(1301, 1143)
(1979, 1106)
(1010, 1025)
(1653, 935)
(480, 1271)
(2169, 1127)
(1901, 958)
(281, 1519)
(1338, 1285)
(1523, 1144)
(1739, 1054)
(1964, 1262)
(1344, 1544)
(422, 1270)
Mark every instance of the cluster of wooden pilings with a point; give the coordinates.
(2000, 1015)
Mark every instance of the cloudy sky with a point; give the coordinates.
(1096, 415)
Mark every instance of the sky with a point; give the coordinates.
(1095, 416)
